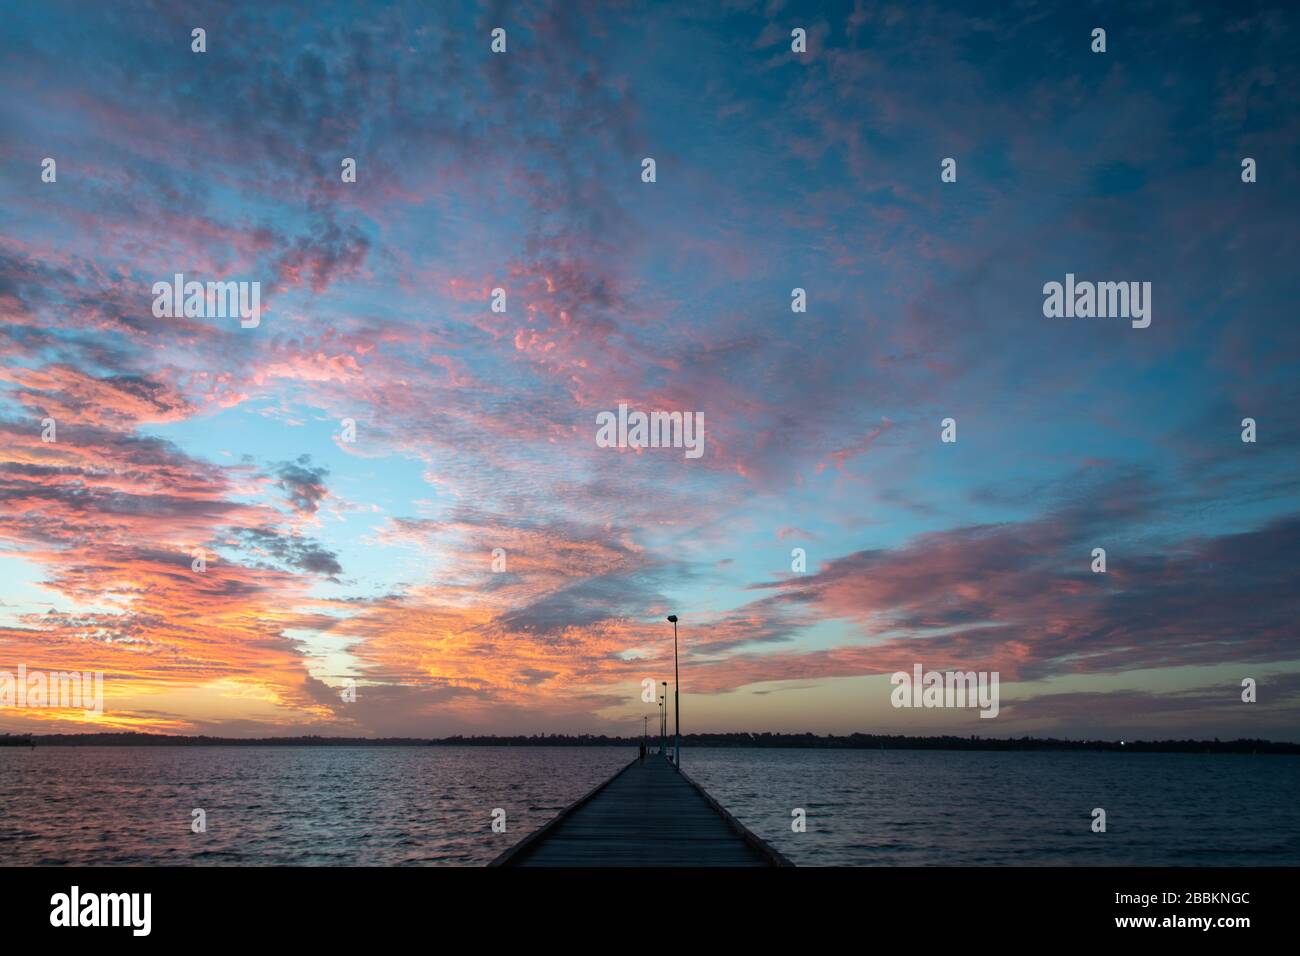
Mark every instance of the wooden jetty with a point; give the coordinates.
(647, 814)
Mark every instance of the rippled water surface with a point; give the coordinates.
(332, 806)
(315, 806)
(890, 807)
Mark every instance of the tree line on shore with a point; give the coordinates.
(856, 741)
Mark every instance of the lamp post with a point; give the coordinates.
(663, 734)
(677, 700)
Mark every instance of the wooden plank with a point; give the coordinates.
(769, 853)
(508, 857)
(647, 814)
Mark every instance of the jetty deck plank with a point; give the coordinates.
(647, 814)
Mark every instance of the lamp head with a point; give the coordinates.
(672, 618)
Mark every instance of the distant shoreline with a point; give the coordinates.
(736, 740)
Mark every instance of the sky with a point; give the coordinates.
(352, 582)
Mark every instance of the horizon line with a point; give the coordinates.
(945, 741)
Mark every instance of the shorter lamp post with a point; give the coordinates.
(677, 700)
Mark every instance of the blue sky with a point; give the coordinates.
(372, 560)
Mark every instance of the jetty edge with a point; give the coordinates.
(647, 814)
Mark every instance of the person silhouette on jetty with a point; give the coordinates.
(641, 756)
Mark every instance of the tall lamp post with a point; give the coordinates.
(677, 700)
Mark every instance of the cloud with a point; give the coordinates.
(475, 428)
(303, 484)
(292, 552)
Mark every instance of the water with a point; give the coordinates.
(924, 808)
(348, 806)
(309, 806)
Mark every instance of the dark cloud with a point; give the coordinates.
(1023, 595)
(291, 551)
(304, 485)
